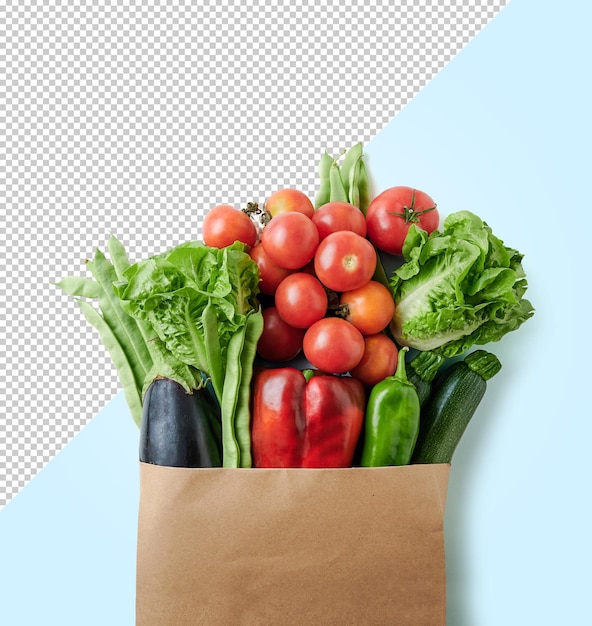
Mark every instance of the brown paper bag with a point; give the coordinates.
(299, 546)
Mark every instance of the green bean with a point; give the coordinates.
(163, 363)
(80, 286)
(119, 357)
(154, 346)
(338, 193)
(242, 423)
(226, 394)
(363, 187)
(122, 335)
(352, 156)
(324, 192)
(118, 256)
(124, 327)
(231, 450)
(354, 190)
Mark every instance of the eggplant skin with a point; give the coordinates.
(180, 429)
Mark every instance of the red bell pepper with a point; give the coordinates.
(301, 422)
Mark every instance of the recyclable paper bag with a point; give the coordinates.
(357, 546)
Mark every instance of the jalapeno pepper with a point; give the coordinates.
(305, 420)
(392, 420)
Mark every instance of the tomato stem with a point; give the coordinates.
(332, 300)
(409, 214)
(338, 310)
(334, 306)
(254, 210)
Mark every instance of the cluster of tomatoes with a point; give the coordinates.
(316, 269)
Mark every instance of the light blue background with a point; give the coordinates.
(504, 130)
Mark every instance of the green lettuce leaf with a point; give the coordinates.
(458, 287)
(202, 304)
(171, 291)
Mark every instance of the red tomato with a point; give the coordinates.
(336, 216)
(369, 308)
(290, 240)
(223, 225)
(344, 260)
(378, 361)
(288, 200)
(333, 345)
(279, 342)
(301, 300)
(391, 214)
(271, 273)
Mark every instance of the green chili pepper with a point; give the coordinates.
(324, 192)
(392, 420)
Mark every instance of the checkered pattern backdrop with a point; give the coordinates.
(135, 118)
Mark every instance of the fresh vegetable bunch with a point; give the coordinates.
(189, 316)
(205, 335)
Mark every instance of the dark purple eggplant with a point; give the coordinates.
(180, 429)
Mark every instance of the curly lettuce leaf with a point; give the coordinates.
(202, 304)
(458, 287)
(172, 291)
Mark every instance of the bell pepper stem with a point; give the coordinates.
(401, 373)
(308, 374)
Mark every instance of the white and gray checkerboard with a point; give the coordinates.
(135, 118)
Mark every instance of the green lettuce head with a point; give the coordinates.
(458, 287)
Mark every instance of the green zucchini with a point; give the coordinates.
(421, 372)
(455, 397)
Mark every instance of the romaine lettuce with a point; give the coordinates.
(459, 287)
(172, 290)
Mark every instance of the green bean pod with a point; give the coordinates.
(242, 420)
(363, 188)
(323, 194)
(348, 169)
(353, 185)
(338, 192)
(231, 446)
(392, 420)
(120, 358)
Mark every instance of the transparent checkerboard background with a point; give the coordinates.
(135, 118)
